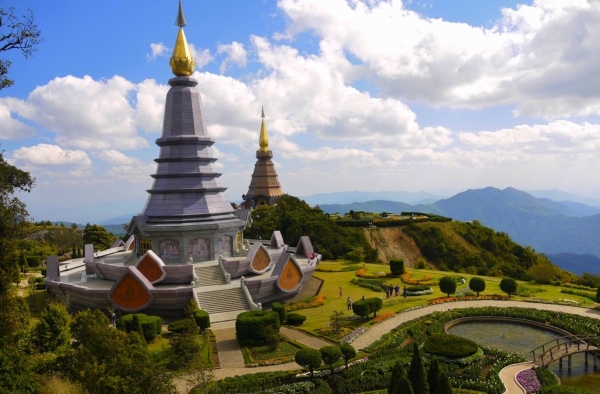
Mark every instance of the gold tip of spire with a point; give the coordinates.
(263, 140)
(182, 63)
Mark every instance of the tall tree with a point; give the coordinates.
(433, 375)
(13, 216)
(416, 373)
(97, 235)
(16, 33)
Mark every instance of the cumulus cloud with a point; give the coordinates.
(51, 155)
(236, 55)
(545, 50)
(115, 157)
(11, 128)
(85, 113)
(201, 56)
(150, 106)
(132, 173)
(157, 50)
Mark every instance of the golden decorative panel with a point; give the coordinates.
(261, 260)
(130, 294)
(150, 269)
(290, 276)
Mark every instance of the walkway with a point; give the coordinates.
(376, 332)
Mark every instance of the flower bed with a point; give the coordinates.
(307, 303)
(426, 281)
(466, 298)
(383, 317)
(559, 302)
(325, 372)
(353, 335)
(362, 273)
(261, 355)
(529, 381)
(418, 293)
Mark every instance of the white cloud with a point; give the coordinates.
(236, 55)
(150, 105)
(84, 113)
(115, 157)
(11, 128)
(157, 50)
(543, 58)
(51, 155)
(201, 57)
(132, 173)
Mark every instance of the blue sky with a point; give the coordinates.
(439, 96)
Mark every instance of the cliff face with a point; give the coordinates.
(391, 242)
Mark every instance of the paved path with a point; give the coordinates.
(371, 335)
(508, 376)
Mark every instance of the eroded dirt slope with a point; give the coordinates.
(392, 242)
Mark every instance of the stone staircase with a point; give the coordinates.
(225, 300)
(209, 276)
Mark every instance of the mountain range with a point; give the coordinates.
(550, 227)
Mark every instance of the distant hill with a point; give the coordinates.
(576, 263)
(548, 226)
(356, 196)
(559, 195)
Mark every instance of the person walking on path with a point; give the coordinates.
(397, 289)
(341, 292)
(349, 303)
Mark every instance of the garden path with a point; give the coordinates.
(377, 331)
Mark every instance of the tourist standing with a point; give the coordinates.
(341, 292)
(349, 303)
(397, 289)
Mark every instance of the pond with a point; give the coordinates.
(521, 339)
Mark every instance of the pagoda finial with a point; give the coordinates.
(180, 21)
(263, 139)
(262, 109)
(182, 63)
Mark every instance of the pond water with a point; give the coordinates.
(521, 339)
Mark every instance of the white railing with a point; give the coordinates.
(253, 306)
(226, 274)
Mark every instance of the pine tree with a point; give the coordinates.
(416, 373)
(397, 373)
(443, 385)
(404, 386)
(137, 326)
(433, 375)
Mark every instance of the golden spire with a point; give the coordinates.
(182, 63)
(263, 140)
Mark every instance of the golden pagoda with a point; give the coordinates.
(264, 188)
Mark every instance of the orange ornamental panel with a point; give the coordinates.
(130, 294)
(150, 269)
(290, 276)
(261, 260)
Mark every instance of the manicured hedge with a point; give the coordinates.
(280, 309)
(151, 325)
(33, 261)
(375, 303)
(361, 308)
(397, 266)
(250, 326)
(450, 346)
(295, 319)
(183, 326)
(417, 288)
(202, 319)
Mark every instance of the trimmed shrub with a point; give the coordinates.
(375, 304)
(397, 266)
(417, 288)
(450, 346)
(202, 319)
(34, 261)
(348, 351)
(330, 355)
(361, 308)
(187, 326)
(250, 326)
(295, 319)
(280, 309)
(151, 325)
(447, 285)
(509, 286)
(477, 284)
(308, 358)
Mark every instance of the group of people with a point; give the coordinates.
(394, 290)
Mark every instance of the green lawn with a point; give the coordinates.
(319, 317)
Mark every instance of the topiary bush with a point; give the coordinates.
(477, 284)
(151, 325)
(308, 358)
(295, 319)
(397, 266)
(187, 326)
(375, 303)
(330, 355)
(450, 346)
(447, 285)
(250, 326)
(417, 288)
(280, 309)
(202, 319)
(509, 286)
(361, 308)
